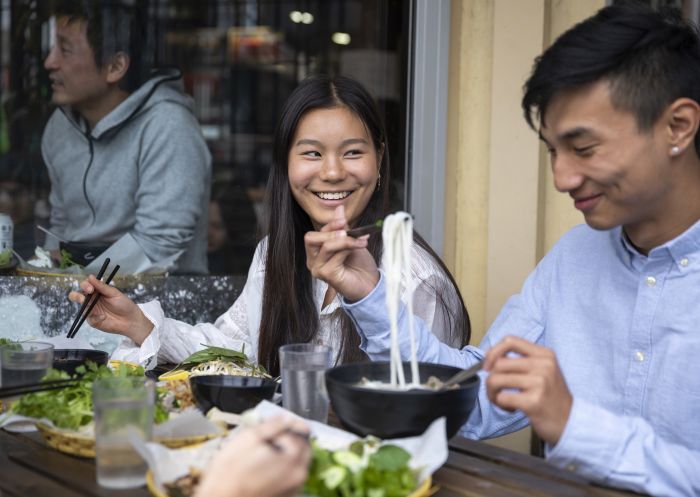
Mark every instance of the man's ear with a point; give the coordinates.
(117, 67)
(682, 124)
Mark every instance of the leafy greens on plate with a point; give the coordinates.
(71, 408)
(366, 469)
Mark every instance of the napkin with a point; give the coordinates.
(428, 451)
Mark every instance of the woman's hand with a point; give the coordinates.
(340, 260)
(267, 460)
(114, 312)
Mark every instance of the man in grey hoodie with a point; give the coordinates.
(124, 157)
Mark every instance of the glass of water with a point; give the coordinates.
(123, 414)
(303, 384)
(24, 363)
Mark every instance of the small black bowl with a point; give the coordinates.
(395, 414)
(230, 393)
(69, 359)
(84, 253)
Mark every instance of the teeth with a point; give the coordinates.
(332, 195)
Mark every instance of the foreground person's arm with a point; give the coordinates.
(268, 460)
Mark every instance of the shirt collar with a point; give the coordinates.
(683, 249)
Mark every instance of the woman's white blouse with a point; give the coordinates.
(238, 328)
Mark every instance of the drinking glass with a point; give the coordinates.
(24, 363)
(123, 413)
(303, 383)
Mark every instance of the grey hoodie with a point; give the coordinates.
(144, 169)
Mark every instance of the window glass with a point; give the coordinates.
(239, 60)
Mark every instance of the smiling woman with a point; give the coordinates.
(332, 162)
(329, 152)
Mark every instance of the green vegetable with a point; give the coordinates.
(5, 257)
(71, 407)
(365, 469)
(66, 260)
(210, 353)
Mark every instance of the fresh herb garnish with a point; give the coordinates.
(210, 353)
(71, 407)
(66, 260)
(366, 469)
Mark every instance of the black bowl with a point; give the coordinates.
(395, 414)
(69, 359)
(84, 253)
(230, 393)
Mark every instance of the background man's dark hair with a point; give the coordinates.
(650, 59)
(114, 26)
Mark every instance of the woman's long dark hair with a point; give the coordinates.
(288, 308)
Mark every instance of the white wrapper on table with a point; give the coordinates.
(428, 452)
(188, 423)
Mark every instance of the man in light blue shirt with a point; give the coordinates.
(600, 352)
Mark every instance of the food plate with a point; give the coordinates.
(424, 489)
(125, 281)
(80, 445)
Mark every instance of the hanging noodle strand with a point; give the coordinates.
(397, 235)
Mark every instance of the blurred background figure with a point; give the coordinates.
(124, 151)
(233, 224)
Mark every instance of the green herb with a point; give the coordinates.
(66, 260)
(5, 257)
(71, 407)
(210, 353)
(365, 469)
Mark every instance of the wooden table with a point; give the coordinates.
(29, 468)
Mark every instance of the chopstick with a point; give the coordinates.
(365, 230)
(36, 387)
(462, 375)
(92, 298)
(87, 298)
(277, 448)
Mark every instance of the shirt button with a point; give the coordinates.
(639, 356)
(571, 467)
(651, 281)
(684, 261)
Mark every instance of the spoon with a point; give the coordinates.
(462, 375)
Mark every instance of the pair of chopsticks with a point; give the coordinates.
(91, 300)
(278, 448)
(367, 229)
(36, 387)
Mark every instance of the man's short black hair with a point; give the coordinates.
(113, 26)
(650, 58)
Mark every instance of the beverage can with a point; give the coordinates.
(6, 229)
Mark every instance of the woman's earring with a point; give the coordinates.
(379, 181)
(675, 150)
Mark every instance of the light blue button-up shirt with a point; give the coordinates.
(626, 331)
